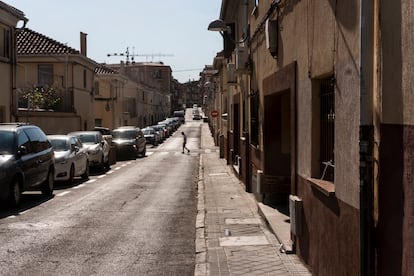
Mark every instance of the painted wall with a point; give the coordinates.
(324, 40)
(5, 91)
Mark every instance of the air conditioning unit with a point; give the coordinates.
(296, 212)
(241, 58)
(231, 75)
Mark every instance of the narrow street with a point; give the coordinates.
(136, 219)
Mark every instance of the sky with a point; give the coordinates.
(172, 31)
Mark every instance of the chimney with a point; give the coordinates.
(83, 43)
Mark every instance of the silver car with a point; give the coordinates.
(71, 159)
(96, 146)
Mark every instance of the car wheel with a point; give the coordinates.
(15, 193)
(71, 174)
(47, 188)
(85, 175)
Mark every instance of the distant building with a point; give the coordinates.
(155, 77)
(191, 93)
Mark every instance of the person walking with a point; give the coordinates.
(185, 142)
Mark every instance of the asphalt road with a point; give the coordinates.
(138, 218)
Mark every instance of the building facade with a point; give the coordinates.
(54, 84)
(154, 77)
(315, 115)
(9, 19)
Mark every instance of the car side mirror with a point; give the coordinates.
(22, 150)
(74, 148)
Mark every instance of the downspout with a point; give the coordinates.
(376, 116)
(14, 96)
(369, 133)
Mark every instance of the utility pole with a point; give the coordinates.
(132, 55)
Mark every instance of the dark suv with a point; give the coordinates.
(129, 140)
(26, 162)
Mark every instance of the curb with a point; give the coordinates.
(273, 219)
(201, 267)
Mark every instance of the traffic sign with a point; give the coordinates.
(214, 113)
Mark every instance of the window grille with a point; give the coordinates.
(327, 129)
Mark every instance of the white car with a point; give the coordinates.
(96, 146)
(71, 159)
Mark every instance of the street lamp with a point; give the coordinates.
(219, 26)
(224, 29)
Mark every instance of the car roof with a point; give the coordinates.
(14, 126)
(90, 132)
(125, 128)
(58, 136)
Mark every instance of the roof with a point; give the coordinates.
(12, 10)
(104, 70)
(30, 42)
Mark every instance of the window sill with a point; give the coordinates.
(325, 187)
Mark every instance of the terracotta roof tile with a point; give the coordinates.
(30, 42)
(102, 70)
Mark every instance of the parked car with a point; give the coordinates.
(151, 135)
(106, 133)
(71, 158)
(180, 114)
(169, 126)
(166, 129)
(26, 162)
(161, 131)
(196, 115)
(129, 140)
(96, 146)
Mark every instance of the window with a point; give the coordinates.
(45, 74)
(157, 74)
(323, 147)
(23, 140)
(98, 122)
(4, 42)
(38, 139)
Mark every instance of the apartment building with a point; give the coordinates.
(54, 83)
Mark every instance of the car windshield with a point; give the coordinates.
(59, 144)
(7, 142)
(148, 131)
(126, 134)
(88, 138)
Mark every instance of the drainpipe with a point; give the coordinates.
(369, 133)
(14, 96)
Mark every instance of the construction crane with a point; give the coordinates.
(131, 56)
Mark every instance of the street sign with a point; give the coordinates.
(214, 113)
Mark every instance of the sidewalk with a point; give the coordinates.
(232, 237)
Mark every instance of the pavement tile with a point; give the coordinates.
(237, 240)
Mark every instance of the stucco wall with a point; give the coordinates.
(407, 26)
(323, 43)
(5, 89)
